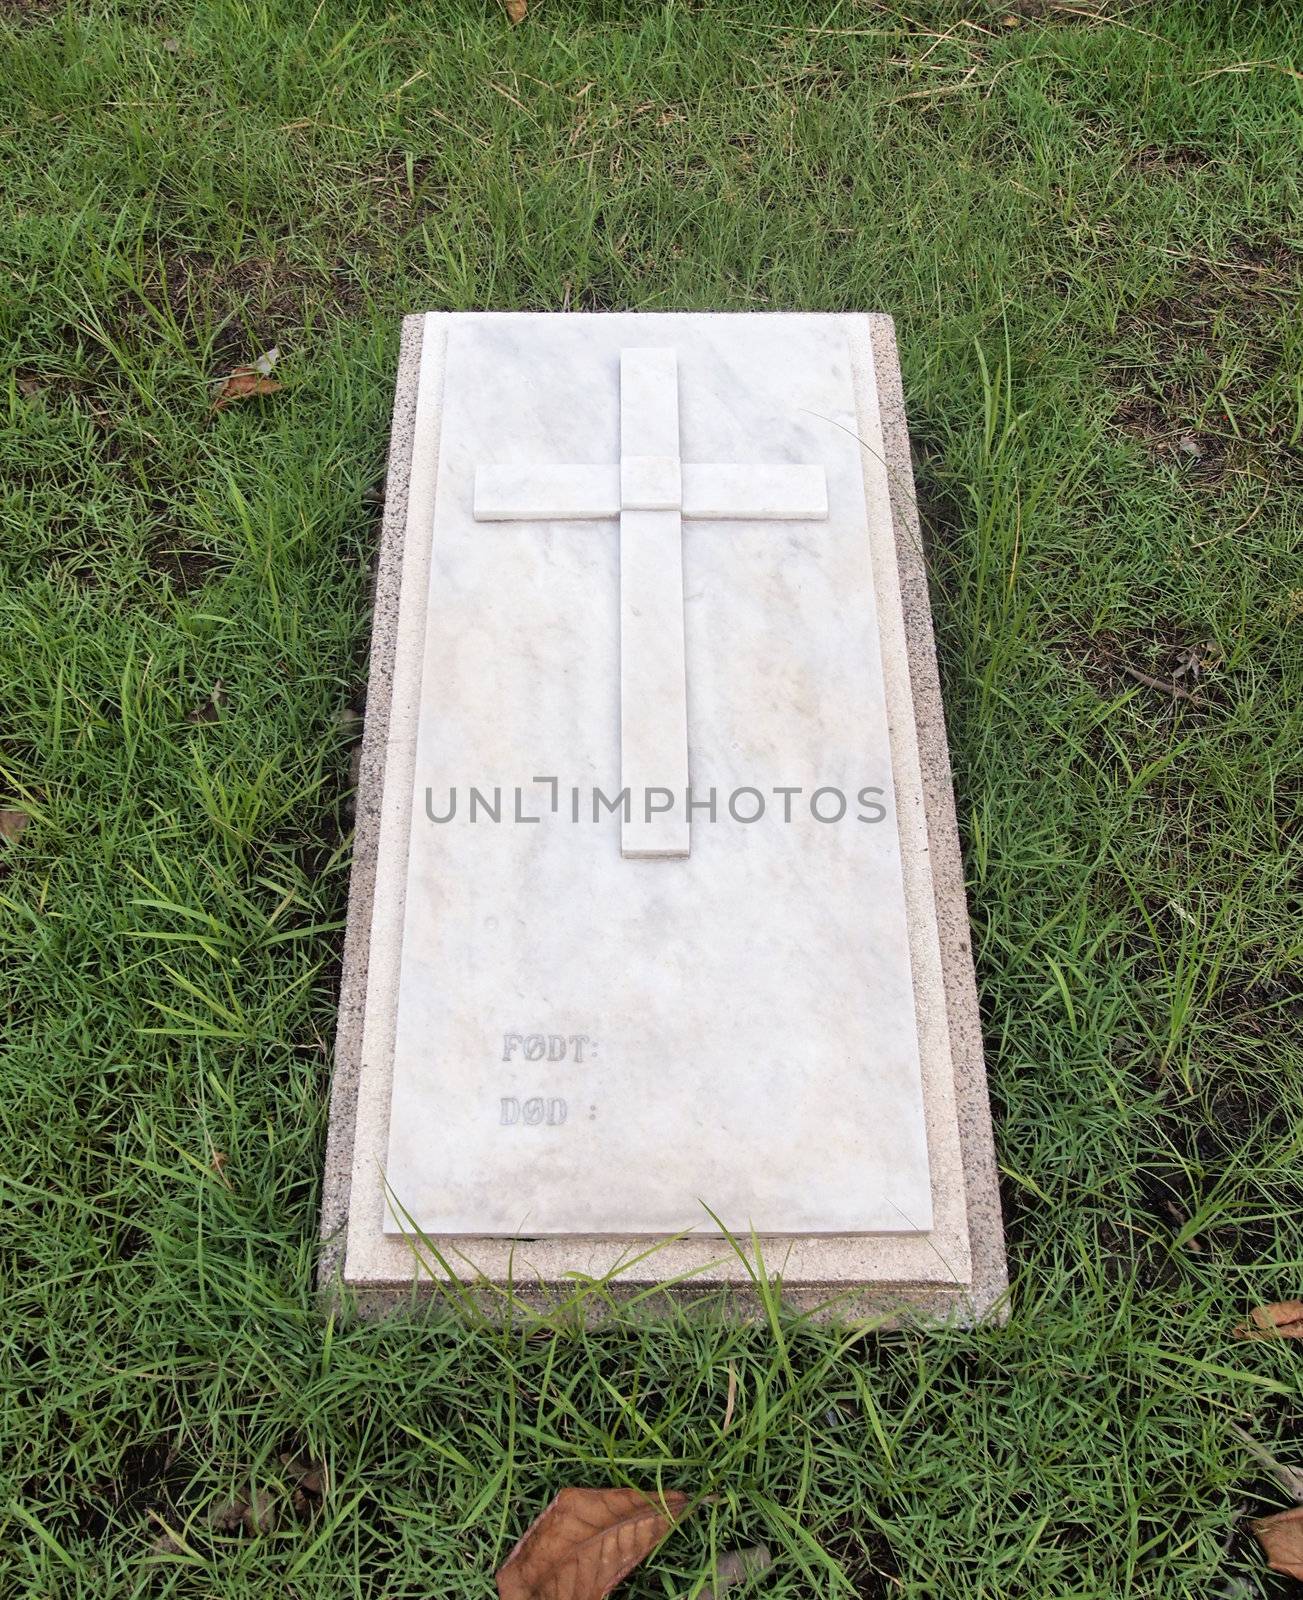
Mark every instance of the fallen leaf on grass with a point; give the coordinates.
(240, 385)
(1289, 1478)
(1198, 658)
(227, 1516)
(12, 824)
(586, 1541)
(1281, 1538)
(246, 381)
(736, 1566)
(260, 1514)
(516, 10)
(255, 1515)
(311, 1483)
(1283, 1319)
(170, 1542)
(209, 710)
(730, 1399)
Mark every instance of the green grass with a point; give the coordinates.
(1086, 222)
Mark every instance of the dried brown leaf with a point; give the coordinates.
(1281, 1538)
(736, 1566)
(730, 1400)
(586, 1542)
(516, 10)
(227, 1516)
(209, 710)
(1283, 1319)
(257, 1514)
(312, 1477)
(245, 381)
(260, 1515)
(170, 1542)
(12, 823)
(1289, 1478)
(240, 385)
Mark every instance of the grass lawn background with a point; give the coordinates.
(1085, 219)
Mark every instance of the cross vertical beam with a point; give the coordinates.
(653, 680)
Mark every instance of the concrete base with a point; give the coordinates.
(851, 1277)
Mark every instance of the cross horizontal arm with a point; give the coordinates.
(582, 493)
(754, 493)
(546, 494)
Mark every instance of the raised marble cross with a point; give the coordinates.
(651, 489)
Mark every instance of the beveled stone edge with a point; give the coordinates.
(337, 1176)
(988, 1292)
(886, 1304)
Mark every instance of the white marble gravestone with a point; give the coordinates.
(645, 932)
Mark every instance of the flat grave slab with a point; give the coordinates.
(657, 921)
